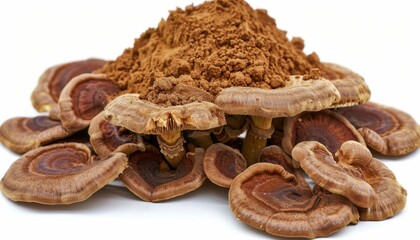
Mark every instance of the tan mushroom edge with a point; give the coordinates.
(21, 134)
(269, 198)
(188, 177)
(145, 117)
(222, 164)
(352, 87)
(58, 174)
(398, 134)
(70, 114)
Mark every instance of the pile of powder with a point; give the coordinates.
(212, 46)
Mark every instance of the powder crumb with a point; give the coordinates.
(211, 46)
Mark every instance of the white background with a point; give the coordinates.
(377, 39)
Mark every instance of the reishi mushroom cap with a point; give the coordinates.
(62, 173)
(83, 98)
(319, 164)
(392, 196)
(327, 127)
(145, 117)
(386, 130)
(267, 197)
(145, 178)
(222, 164)
(21, 134)
(298, 96)
(45, 95)
(107, 138)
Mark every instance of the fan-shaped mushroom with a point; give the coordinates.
(222, 164)
(106, 138)
(54, 79)
(356, 175)
(391, 195)
(145, 117)
(22, 134)
(148, 180)
(385, 129)
(83, 98)
(263, 105)
(60, 174)
(326, 127)
(267, 197)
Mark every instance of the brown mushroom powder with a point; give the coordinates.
(212, 46)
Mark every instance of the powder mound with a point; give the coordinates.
(212, 46)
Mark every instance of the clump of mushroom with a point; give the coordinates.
(258, 143)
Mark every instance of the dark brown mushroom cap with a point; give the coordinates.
(222, 164)
(319, 164)
(267, 197)
(45, 96)
(106, 138)
(326, 127)
(83, 98)
(142, 116)
(60, 174)
(385, 129)
(392, 196)
(352, 87)
(22, 134)
(148, 181)
(298, 96)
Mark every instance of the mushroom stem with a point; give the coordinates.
(260, 129)
(172, 147)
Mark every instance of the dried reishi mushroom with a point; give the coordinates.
(21, 134)
(45, 96)
(60, 174)
(352, 87)
(83, 98)
(318, 162)
(148, 180)
(222, 164)
(107, 138)
(385, 129)
(262, 105)
(145, 117)
(235, 126)
(326, 127)
(269, 198)
(392, 196)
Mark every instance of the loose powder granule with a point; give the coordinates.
(212, 46)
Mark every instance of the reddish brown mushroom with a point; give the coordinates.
(385, 129)
(107, 138)
(326, 127)
(392, 196)
(269, 198)
(149, 177)
(60, 174)
(22, 134)
(83, 98)
(262, 105)
(167, 123)
(356, 175)
(222, 164)
(54, 79)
